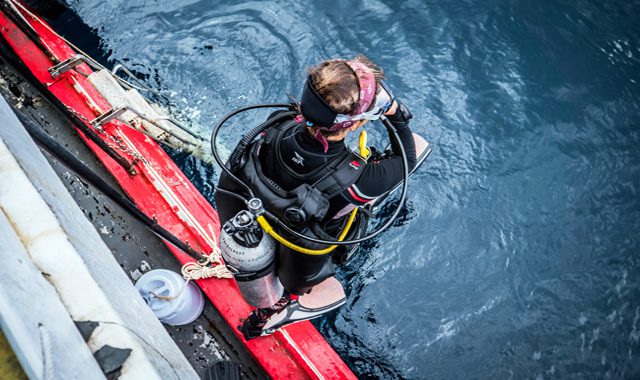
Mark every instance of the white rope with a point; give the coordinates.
(212, 266)
(47, 355)
(197, 271)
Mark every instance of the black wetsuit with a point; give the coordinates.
(301, 153)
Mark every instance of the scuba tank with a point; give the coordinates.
(250, 255)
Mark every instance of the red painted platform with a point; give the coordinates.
(162, 191)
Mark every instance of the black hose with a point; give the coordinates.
(214, 137)
(84, 172)
(232, 194)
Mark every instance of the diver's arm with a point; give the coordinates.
(380, 176)
(400, 119)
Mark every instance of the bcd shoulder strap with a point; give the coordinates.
(345, 173)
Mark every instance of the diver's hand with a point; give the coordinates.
(392, 110)
(399, 114)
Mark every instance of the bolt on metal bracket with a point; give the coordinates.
(106, 117)
(69, 64)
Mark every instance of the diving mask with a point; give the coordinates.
(384, 100)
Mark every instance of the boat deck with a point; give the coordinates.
(205, 341)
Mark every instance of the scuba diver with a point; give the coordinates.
(300, 172)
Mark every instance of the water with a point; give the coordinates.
(518, 253)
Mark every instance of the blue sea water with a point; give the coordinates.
(518, 253)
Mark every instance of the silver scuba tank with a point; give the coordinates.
(250, 255)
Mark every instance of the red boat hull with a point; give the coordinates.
(162, 191)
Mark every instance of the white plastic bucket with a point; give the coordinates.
(182, 307)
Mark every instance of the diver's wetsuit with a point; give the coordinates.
(301, 153)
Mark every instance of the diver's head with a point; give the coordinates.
(336, 82)
(342, 95)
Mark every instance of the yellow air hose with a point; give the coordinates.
(315, 252)
(364, 152)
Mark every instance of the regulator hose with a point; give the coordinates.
(246, 139)
(216, 130)
(314, 252)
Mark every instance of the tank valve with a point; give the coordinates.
(255, 206)
(244, 229)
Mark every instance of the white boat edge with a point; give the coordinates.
(43, 231)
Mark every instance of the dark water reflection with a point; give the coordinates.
(518, 255)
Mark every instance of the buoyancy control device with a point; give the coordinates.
(250, 255)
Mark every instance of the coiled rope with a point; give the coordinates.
(210, 266)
